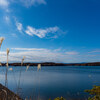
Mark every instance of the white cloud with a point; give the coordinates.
(71, 53)
(41, 33)
(30, 49)
(4, 3)
(7, 19)
(37, 55)
(50, 32)
(46, 55)
(13, 35)
(95, 51)
(29, 3)
(19, 26)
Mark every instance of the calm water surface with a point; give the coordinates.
(51, 82)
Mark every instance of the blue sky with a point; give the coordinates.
(50, 30)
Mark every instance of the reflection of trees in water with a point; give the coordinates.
(59, 98)
(95, 92)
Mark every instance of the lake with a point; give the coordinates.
(53, 81)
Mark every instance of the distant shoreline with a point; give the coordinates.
(54, 64)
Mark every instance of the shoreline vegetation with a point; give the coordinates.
(54, 64)
(95, 92)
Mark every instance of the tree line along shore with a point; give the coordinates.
(54, 64)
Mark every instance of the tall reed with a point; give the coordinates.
(39, 67)
(27, 67)
(7, 56)
(1, 40)
(6, 81)
(20, 75)
(22, 60)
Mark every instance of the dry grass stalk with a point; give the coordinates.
(11, 69)
(7, 56)
(0, 64)
(27, 67)
(39, 67)
(22, 60)
(1, 40)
